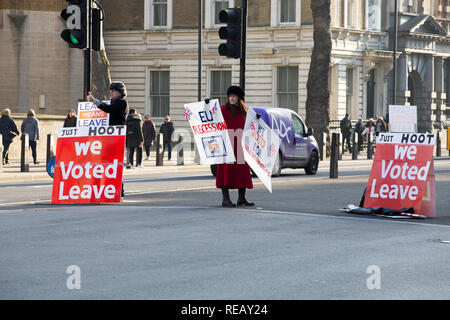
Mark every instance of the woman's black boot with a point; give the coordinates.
(226, 202)
(242, 201)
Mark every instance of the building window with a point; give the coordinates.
(159, 10)
(158, 14)
(217, 6)
(219, 84)
(414, 6)
(285, 12)
(159, 93)
(212, 9)
(373, 15)
(287, 88)
(347, 13)
(444, 9)
(349, 100)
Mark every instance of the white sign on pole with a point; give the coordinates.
(91, 116)
(403, 118)
(260, 144)
(210, 132)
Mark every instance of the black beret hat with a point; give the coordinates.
(236, 91)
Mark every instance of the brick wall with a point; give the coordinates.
(123, 15)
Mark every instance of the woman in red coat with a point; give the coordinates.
(234, 175)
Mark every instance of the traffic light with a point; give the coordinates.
(232, 33)
(76, 17)
(97, 29)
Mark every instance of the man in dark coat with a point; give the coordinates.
(149, 133)
(8, 130)
(234, 175)
(167, 130)
(359, 128)
(134, 139)
(346, 130)
(118, 108)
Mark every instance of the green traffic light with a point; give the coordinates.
(74, 40)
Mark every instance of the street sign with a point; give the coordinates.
(51, 167)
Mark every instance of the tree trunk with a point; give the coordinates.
(317, 103)
(101, 77)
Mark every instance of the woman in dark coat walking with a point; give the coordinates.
(8, 130)
(134, 138)
(234, 175)
(149, 132)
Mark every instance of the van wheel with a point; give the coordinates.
(313, 164)
(278, 165)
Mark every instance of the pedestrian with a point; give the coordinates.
(118, 108)
(134, 139)
(71, 119)
(346, 130)
(380, 126)
(234, 175)
(359, 129)
(8, 130)
(30, 126)
(369, 128)
(149, 133)
(167, 130)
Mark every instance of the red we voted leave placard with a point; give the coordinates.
(402, 174)
(89, 165)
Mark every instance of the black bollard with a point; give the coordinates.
(50, 147)
(340, 143)
(180, 153)
(355, 146)
(24, 160)
(334, 156)
(438, 144)
(370, 146)
(159, 150)
(323, 147)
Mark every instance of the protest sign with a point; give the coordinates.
(260, 144)
(402, 174)
(210, 132)
(403, 118)
(89, 165)
(89, 115)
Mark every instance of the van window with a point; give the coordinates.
(299, 128)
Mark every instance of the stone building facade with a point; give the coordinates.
(37, 69)
(152, 46)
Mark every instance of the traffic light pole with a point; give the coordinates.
(244, 45)
(87, 53)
